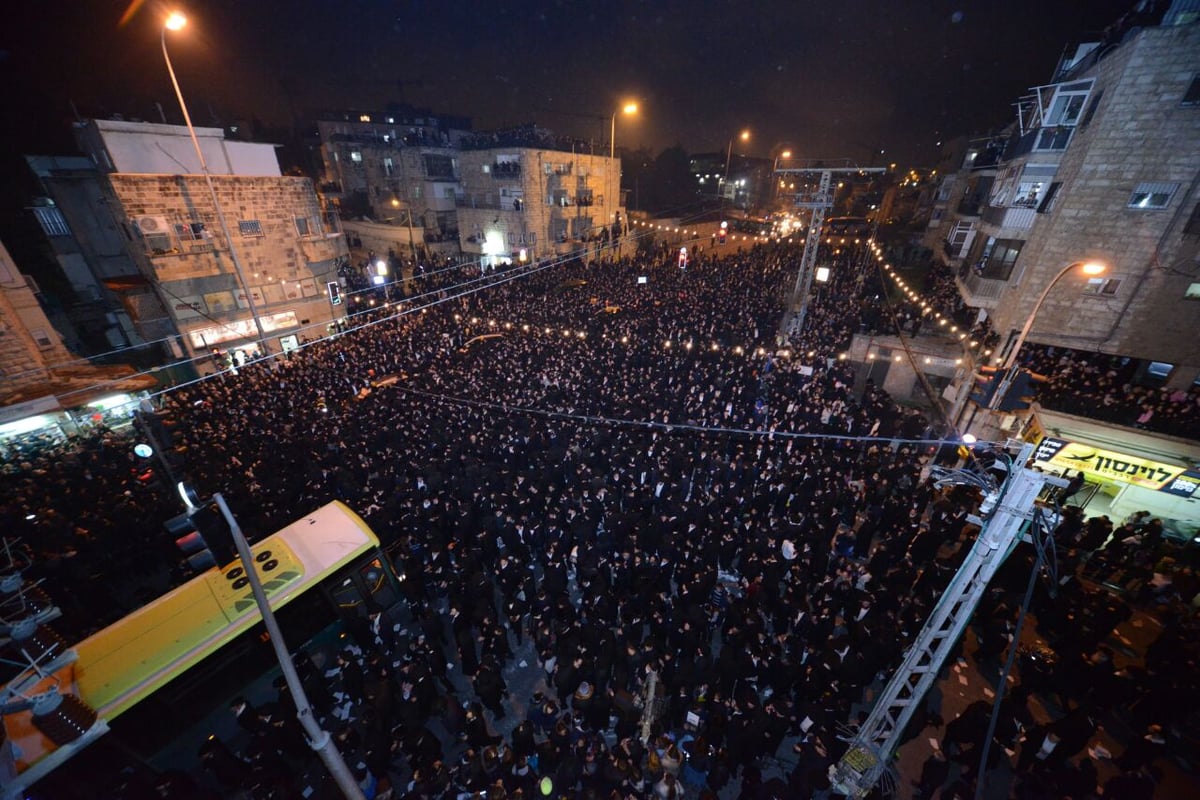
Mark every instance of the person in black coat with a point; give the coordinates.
(491, 688)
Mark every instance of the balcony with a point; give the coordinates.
(1017, 218)
(506, 171)
(955, 251)
(980, 292)
(969, 208)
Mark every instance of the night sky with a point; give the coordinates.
(841, 78)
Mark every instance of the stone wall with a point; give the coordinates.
(287, 248)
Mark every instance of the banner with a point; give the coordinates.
(1110, 465)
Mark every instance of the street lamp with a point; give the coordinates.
(1009, 370)
(176, 21)
(745, 137)
(628, 108)
(1089, 268)
(785, 155)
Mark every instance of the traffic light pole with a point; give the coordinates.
(318, 739)
(874, 745)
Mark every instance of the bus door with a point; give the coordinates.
(370, 582)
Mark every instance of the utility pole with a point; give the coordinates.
(319, 740)
(874, 745)
(818, 202)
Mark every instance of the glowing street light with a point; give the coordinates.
(1089, 268)
(628, 109)
(176, 21)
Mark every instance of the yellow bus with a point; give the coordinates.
(161, 658)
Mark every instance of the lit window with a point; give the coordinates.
(1102, 286)
(1152, 195)
(1193, 291)
(356, 156)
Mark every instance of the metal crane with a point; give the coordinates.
(1005, 513)
(818, 201)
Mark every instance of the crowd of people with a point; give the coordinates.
(1103, 387)
(706, 542)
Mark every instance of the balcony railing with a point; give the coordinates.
(954, 251)
(1012, 217)
(979, 291)
(506, 171)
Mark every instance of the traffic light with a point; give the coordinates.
(987, 380)
(1022, 391)
(721, 233)
(159, 430)
(202, 536)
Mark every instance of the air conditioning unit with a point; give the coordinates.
(153, 225)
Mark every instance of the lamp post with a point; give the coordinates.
(1009, 369)
(785, 155)
(174, 22)
(628, 108)
(745, 137)
(1089, 268)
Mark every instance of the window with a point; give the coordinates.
(1193, 292)
(1048, 198)
(1106, 287)
(1068, 102)
(356, 156)
(1149, 196)
(250, 227)
(1091, 109)
(960, 238)
(302, 226)
(531, 238)
(1192, 96)
(51, 220)
(41, 337)
(388, 167)
(191, 232)
(1054, 138)
(998, 258)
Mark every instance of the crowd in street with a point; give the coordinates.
(633, 489)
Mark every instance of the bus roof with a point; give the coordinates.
(129, 660)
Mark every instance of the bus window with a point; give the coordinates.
(377, 579)
(347, 594)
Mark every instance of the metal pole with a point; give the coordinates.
(612, 137)
(237, 264)
(1010, 363)
(318, 739)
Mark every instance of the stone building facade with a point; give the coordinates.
(288, 246)
(537, 201)
(398, 168)
(1101, 165)
(29, 345)
(1129, 189)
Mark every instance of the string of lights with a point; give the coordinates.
(925, 306)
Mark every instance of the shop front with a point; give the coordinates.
(1124, 471)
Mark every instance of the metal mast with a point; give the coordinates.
(818, 201)
(874, 744)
